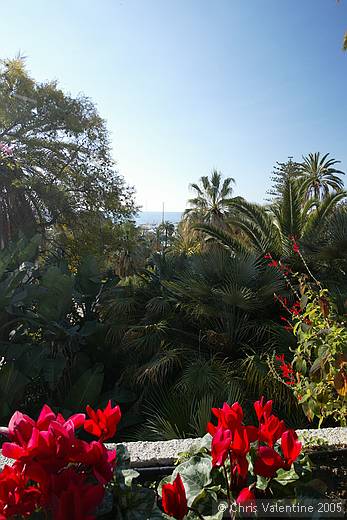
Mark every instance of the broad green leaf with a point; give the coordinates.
(55, 301)
(286, 477)
(196, 475)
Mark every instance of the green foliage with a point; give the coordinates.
(51, 337)
(205, 486)
(60, 171)
(213, 199)
(321, 358)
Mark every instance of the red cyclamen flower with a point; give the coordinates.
(16, 497)
(220, 446)
(103, 423)
(262, 409)
(271, 429)
(73, 497)
(246, 498)
(267, 463)
(291, 447)
(174, 499)
(229, 417)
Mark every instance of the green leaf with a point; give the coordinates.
(286, 477)
(196, 475)
(87, 388)
(56, 300)
(262, 482)
(126, 476)
(140, 505)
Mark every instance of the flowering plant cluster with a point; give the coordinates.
(236, 462)
(57, 475)
(55, 471)
(317, 372)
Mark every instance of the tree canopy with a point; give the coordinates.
(56, 150)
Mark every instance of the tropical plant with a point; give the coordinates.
(271, 228)
(186, 240)
(320, 176)
(131, 250)
(213, 198)
(165, 234)
(52, 339)
(317, 374)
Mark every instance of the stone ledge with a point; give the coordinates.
(164, 453)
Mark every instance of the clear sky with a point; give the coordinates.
(191, 85)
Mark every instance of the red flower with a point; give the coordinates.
(271, 429)
(103, 423)
(267, 463)
(51, 448)
(50, 444)
(220, 446)
(273, 263)
(290, 446)
(296, 308)
(229, 417)
(246, 498)
(287, 370)
(239, 449)
(174, 499)
(296, 248)
(16, 497)
(73, 498)
(262, 409)
(101, 460)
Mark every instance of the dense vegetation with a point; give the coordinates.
(169, 323)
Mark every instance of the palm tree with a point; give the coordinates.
(320, 175)
(186, 240)
(165, 233)
(213, 198)
(132, 251)
(271, 228)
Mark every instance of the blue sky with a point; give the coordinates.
(191, 85)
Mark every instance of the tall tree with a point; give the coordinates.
(281, 172)
(320, 175)
(213, 198)
(60, 153)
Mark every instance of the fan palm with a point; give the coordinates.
(320, 175)
(213, 198)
